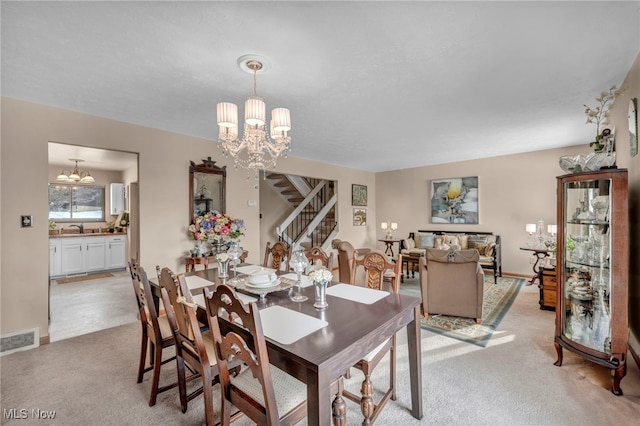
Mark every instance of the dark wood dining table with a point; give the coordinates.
(353, 330)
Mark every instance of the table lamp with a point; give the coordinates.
(531, 229)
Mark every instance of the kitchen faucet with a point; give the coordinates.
(80, 227)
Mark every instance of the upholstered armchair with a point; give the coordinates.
(452, 283)
(345, 257)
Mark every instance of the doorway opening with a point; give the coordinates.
(92, 234)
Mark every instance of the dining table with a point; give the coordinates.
(317, 346)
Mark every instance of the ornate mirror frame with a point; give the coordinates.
(633, 126)
(207, 188)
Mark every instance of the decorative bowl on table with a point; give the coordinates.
(263, 279)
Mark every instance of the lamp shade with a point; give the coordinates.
(552, 229)
(227, 115)
(394, 226)
(531, 227)
(281, 119)
(254, 111)
(384, 226)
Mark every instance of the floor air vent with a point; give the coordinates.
(19, 341)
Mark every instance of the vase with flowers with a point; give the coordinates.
(216, 228)
(599, 115)
(320, 278)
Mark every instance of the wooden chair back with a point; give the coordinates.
(238, 336)
(146, 307)
(169, 282)
(277, 254)
(375, 264)
(191, 348)
(317, 255)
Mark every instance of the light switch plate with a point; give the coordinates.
(251, 203)
(26, 221)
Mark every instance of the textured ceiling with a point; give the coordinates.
(373, 86)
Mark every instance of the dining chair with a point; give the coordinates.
(194, 348)
(155, 331)
(345, 259)
(261, 390)
(277, 256)
(317, 256)
(375, 263)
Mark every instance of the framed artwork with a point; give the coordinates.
(359, 217)
(455, 200)
(358, 195)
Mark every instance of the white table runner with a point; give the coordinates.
(306, 281)
(356, 293)
(199, 299)
(195, 282)
(250, 269)
(286, 326)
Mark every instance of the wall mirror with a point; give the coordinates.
(207, 186)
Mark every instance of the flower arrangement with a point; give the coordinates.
(600, 115)
(216, 227)
(321, 275)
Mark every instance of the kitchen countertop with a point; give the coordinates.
(86, 234)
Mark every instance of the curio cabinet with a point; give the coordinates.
(592, 269)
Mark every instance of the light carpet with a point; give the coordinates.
(91, 380)
(497, 299)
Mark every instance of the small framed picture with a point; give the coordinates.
(358, 195)
(359, 217)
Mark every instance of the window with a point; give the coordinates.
(76, 203)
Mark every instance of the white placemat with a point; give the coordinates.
(250, 269)
(306, 281)
(199, 299)
(286, 326)
(356, 293)
(195, 282)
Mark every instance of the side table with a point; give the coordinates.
(411, 264)
(548, 287)
(389, 246)
(540, 253)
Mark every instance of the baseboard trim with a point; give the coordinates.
(45, 340)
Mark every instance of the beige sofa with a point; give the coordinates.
(487, 244)
(452, 283)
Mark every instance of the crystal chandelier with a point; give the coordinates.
(260, 146)
(75, 176)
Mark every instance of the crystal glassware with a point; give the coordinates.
(299, 263)
(234, 252)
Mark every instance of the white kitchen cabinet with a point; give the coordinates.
(94, 253)
(54, 257)
(117, 198)
(71, 256)
(78, 255)
(116, 252)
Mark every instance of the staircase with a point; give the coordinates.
(313, 220)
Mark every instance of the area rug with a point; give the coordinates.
(83, 278)
(497, 301)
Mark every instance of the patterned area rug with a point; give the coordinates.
(497, 301)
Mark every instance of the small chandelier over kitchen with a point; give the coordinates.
(260, 145)
(75, 176)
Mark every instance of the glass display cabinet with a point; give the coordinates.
(592, 269)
